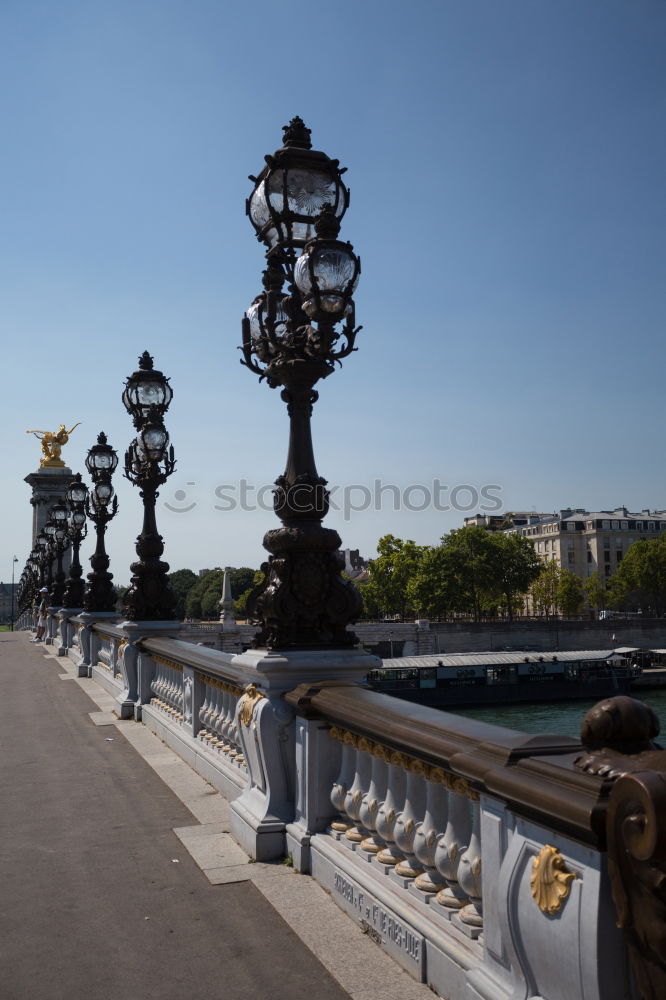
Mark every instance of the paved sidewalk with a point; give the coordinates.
(119, 880)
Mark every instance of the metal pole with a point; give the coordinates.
(11, 627)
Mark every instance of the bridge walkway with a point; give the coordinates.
(119, 879)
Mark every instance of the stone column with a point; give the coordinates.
(49, 486)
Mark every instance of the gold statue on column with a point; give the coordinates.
(52, 443)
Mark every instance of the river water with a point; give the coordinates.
(555, 717)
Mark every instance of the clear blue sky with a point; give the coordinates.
(506, 163)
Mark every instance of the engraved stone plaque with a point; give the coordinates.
(398, 938)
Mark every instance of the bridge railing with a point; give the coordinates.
(454, 841)
(473, 854)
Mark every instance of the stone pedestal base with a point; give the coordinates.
(267, 808)
(138, 670)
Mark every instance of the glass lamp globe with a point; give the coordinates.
(153, 441)
(327, 271)
(101, 457)
(291, 190)
(77, 491)
(59, 513)
(78, 519)
(103, 493)
(145, 389)
(257, 314)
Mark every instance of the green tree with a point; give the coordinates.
(430, 589)
(570, 594)
(640, 580)
(515, 566)
(240, 604)
(182, 581)
(544, 590)
(203, 600)
(595, 591)
(391, 571)
(470, 565)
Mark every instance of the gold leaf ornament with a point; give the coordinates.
(247, 704)
(549, 882)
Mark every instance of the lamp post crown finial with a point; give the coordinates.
(296, 133)
(101, 438)
(146, 362)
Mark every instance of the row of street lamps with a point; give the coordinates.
(294, 333)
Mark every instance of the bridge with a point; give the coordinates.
(483, 862)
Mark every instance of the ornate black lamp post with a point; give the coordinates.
(292, 339)
(49, 557)
(101, 505)
(61, 543)
(41, 545)
(77, 494)
(149, 461)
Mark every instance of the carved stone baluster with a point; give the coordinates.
(372, 801)
(210, 709)
(168, 689)
(179, 695)
(217, 715)
(410, 819)
(155, 684)
(453, 845)
(236, 752)
(225, 721)
(359, 788)
(469, 870)
(431, 830)
(344, 780)
(390, 809)
(203, 711)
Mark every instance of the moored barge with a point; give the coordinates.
(442, 680)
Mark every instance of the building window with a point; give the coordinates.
(589, 556)
(639, 525)
(540, 546)
(616, 525)
(618, 542)
(572, 557)
(605, 525)
(571, 525)
(651, 526)
(625, 525)
(607, 555)
(606, 542)
(619, 557)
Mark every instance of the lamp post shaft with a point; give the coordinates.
(73, 596)
(100, 594)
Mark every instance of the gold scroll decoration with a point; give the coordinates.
(247, 704)
(549, 882)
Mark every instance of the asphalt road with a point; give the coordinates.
(99, 899)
